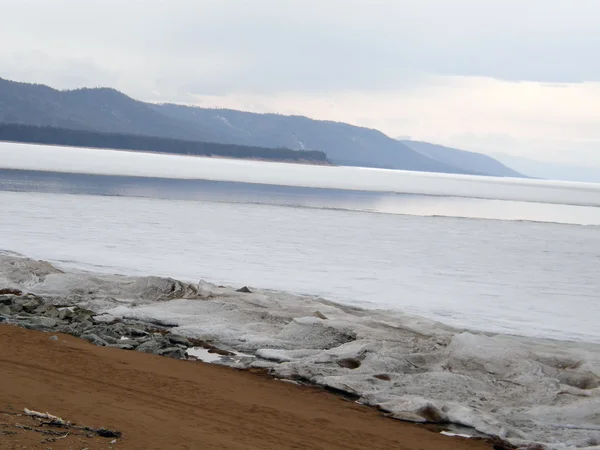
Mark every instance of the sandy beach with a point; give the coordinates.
(162, 403)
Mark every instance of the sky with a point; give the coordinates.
(520, 77)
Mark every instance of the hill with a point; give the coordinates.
(475, 162)
(344, 144)
(106, 110)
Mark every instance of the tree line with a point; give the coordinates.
(119, 141)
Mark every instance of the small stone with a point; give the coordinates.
(172, 352)
(245, 290)
(52, 312)
(6, 300)
(43, 322)
(30, 305)
(383, 377)
(136, 332)
(320, 315)
(54, 338)
(109, 339)
(122, 346)
(220, 351)
(73, 329)
(15, 308)
(65, 314)
(94, 339)
(177, 339)
(47, 310)
(41, 309)
(83, 314)
(150, 346)
(349, 363)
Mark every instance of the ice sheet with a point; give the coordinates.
(523, 389)
(113, 162)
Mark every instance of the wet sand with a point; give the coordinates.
(162, 403)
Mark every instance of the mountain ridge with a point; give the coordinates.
(111, 111)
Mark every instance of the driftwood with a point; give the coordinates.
(55, 421)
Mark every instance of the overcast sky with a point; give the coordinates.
(514, 76)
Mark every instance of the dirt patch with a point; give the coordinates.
(163, 403)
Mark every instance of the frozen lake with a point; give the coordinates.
(391, 242)
(535, 279)
(359, 236)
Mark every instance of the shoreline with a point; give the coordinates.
(162, 403)
(410, 368)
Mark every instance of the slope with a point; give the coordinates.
(101, 109)
(344, 144)
(475, 162)
(109, 111)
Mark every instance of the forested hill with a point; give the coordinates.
(81, 138)
(106, 110)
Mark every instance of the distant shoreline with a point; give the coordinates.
(307, 162)
(63, 137)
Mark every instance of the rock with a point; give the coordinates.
(65, 314)
(150, 346)
(42, 323)
(16, 308)
(111, 331)
(349, 363)
(383, 377)
(122, 346)
(221, 352)
(320, 315)
(54, 338)
(108, 338)
(176, 339)
(30, 305)
(136, 332)
(41, 309)
(74, 329)
(52, 312)
(118, 329)
(82, 315)
(245, 290)
(6, 299)
(47, 310)
(172, 352)
(94, 339)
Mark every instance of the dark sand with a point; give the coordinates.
(162, 403)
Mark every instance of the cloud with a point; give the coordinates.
(308, 45)
(481, 74)
(558, 122)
